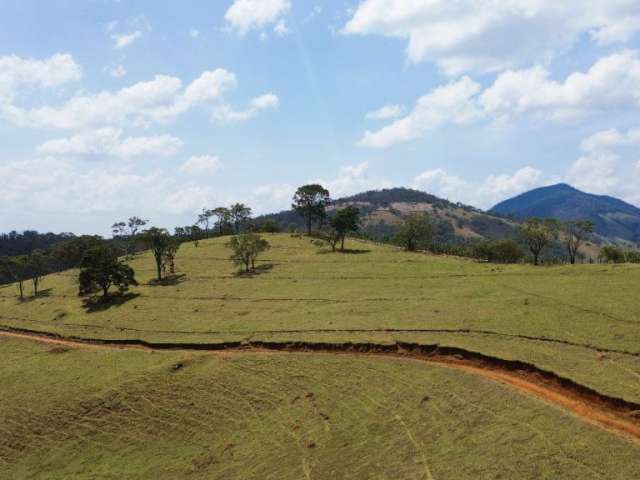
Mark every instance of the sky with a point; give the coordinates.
(158, 108)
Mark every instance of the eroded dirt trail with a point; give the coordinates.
(613, 414)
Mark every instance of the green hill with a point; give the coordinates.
(613, 218)
(86, 411)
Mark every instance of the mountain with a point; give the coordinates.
(614, 219)
(382, 210)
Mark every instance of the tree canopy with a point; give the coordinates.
(310, 201)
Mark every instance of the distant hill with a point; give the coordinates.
(614, 219)
(383, 210)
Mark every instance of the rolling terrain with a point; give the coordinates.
(373, 363)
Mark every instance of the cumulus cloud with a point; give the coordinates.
(608, 165)
(386, 112)
(161, 99)
(482, 194)
(17, 73)
(226, 114)
(612, 83)
(201, 164)
(454, 103)
(246, 15)
(109, 142)
(485, 35)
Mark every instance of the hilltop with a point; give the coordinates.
(614, 219)
(383, 210)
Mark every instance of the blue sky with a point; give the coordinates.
(158, 108)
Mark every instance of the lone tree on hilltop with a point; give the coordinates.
(100, 269)
(414, 231)
(344, 221)
(539, 233)
(311, 201)
(163, 247)
(246, 248)
(575, 232)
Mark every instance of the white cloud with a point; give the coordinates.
(125, 39)
(485, 35)
(246, 15)
(351, 179)
(194, 33)
(17, 73)
(611, 138)
(109, 142)
(386, 113)
(118, 72)
(452, 103)
(608, 166)
(485, 194)
(143, 103)
(611, 84)
(225, 114)
(201, 164)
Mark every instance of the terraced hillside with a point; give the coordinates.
(549, 359)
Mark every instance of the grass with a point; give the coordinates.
(98, 414)
(302, 292)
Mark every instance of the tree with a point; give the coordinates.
(271, 226)
(538, 233)
(499, 251)
(310, 201)
(204, 219)
(36, 268)
(575, 232)
(127, 231)
(611, 254)
(246, 248)
(223, 215)
(344, 221)
(100, 269)
(16, 268)
(163, 247)
(414, 231)
(239, 214)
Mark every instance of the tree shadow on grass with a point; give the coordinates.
(168, 280)
(100, 304)
(259, 270)
(41, 294)
(353, 251)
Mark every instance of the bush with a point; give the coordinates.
(633, 257)
(611, 254)
(500, 251)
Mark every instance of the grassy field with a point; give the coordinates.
(95, 414)
(555, 317)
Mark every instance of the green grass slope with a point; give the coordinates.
(555, 317)
(95, 414)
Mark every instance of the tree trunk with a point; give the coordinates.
(21, 288)
(535, 258)
(105, 291)
(309, 225)
(342, 243)
(159, 270)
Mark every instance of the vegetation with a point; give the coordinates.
(100, 270)
(501, 251)
(343, 221)
(246, 249)
(415, 231)
(310, 202)
(163, 248)
(538, 234)
(22, 243)
(575, 233)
